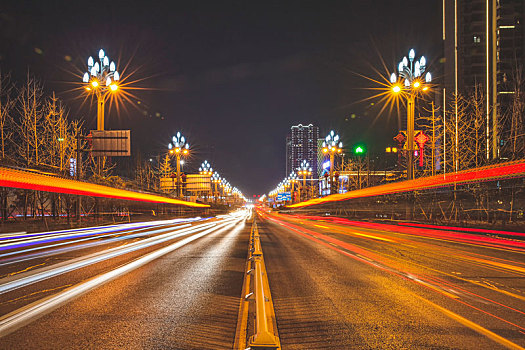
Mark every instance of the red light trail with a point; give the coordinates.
(38, 182)
(500, 171)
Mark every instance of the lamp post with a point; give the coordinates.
(304, 170)
(206, 170)
(101, 79)
(216, 179)
(179, 147)
(332, 146)
(286, 185)
(410, 84)
(293, 180)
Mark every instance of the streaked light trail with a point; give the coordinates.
(506, 170)
(38, 182)
(24, 315)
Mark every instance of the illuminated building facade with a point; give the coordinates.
(484, 45)
(301, 144)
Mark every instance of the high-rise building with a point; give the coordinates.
(301, 144)
(484, 45)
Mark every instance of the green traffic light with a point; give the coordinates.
(359, 150)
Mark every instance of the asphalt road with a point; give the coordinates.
(338, 284)
(180, 292)
(335, 284)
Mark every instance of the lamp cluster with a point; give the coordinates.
(205, 168)
(410, 74)
(331, 144)
(102, 74)
(304, 169)
(179, 145)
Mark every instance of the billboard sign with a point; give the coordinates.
(72, 167)
(110, 143)
(284, 196)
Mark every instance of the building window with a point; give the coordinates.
(477, 39)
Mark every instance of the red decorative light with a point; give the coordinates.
(400, 138)
(421, 139)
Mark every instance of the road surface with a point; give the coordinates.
(342, 284)
(335, 284)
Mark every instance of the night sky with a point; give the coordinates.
(232, 76)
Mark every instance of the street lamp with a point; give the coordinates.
(304, 170)
(101, 79)
(293, 180)
(179, 147)
(410, 83)
(332, 146)
(206, 170)
(216, 179)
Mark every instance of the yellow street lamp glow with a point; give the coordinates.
(425, 88)
(113, 87)
(417, 84)
(94, 83)
(88, 88)
(396, 88)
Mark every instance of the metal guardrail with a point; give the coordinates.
(264, 338)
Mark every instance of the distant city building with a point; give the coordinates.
(484, 45)
(301, 143)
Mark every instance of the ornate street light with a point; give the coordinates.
(101, 79)
(332, 145)
(206, 170)
(304, 170)
(216, 179)
(293, 179)
(179, 147)
(413, 80)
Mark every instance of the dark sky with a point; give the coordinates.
(233, 76)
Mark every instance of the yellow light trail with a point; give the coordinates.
(38, 182)
(474, 326)
(505, 170)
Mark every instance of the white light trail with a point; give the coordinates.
(27, 314)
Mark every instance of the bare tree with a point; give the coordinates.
(165, 169)
(7, 103)
(30, 125)
(478, 128)
(461, 135)
(59, 134)
(144, 175)
(516, 132)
